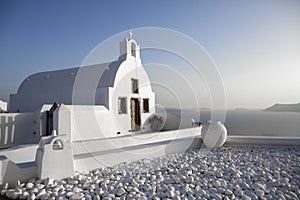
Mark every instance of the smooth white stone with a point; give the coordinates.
(5, 186)
(18, 183)
(3, 192)
(49, 181)
(210, 173)
(77, 196)
(176, 197)
(34, 190)
(281, 196)
(245, 186)
(169, 181)
(77, 190)
(121, 191)
(61, 198)
(259, 192)
(170, 194)
(292, 194)
(228, 192)
(31, 197)
(245, 197)
(45, 197)
(69, 194)
(238, 193)
(29, 185)
(190, 179)
(202, 192)
(40, 193)
(9, 193)
(40, 186)
(96, 197)
(15, 195)
(135, 189)
(221, 190)
(258, 186)
(216, 196)
(171, 188)
(216, 183)
(213, 190)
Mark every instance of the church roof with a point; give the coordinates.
(63, 80)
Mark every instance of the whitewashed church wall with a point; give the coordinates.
(82, 122)
(130, 69)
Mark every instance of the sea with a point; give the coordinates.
(248, 122)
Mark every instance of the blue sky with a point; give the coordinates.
(255, 44)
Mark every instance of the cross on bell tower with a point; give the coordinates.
(129, 47)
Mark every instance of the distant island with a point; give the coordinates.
(240, 109)
(284, 107)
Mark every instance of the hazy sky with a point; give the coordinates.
(255, 44)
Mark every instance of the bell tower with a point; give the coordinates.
(129, 48)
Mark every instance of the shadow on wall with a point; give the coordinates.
(12, 172)
(18, 128)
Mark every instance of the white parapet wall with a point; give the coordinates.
(18, 128)
(11, 172)
(90, 154)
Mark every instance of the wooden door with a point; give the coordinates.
(135, 111)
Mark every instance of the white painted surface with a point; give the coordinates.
(188, 168)
(18, 127)
(84, 122)
(90, 154)
(87, 118)
(90, 101)
(3, 106)
(11, 172)
(93, 154)
(214, 134)
(111, 151)
(21, 153)
(54, 158)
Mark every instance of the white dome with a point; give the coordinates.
(214, 134)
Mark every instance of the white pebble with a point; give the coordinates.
(29, 185)
(216, 183)
(210, 173)
(238, 193)
(121, 191)
(96, 197)
(40, 186)
(259, 192)
(228, 192)
(31, 197)
(170, 194)
(5, 186)
(77, 196)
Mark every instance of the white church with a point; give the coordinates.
(82, 118)
(123, 89)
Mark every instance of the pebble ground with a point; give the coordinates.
(246, 172)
